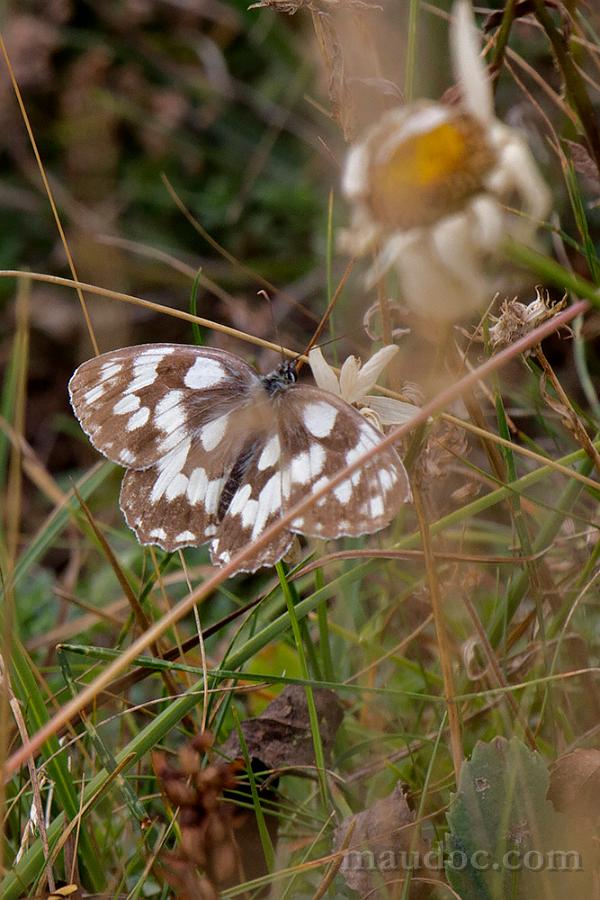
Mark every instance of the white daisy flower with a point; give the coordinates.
(428, 184)
(354, 383)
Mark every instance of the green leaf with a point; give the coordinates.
(506, 840)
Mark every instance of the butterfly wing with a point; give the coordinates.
(212, 456)
(314, 435)
(179, 418)
(195, 491)
(320, 435)
(138, 404)
(255, 502)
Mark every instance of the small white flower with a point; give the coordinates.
(354, 383)
(428, 185)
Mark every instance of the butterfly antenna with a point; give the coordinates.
(263, 293)
(327, 314)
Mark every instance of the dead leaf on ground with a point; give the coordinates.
(584, 164)
(575, 784)
(281, 736)
(382, 847)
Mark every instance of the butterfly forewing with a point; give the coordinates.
(321, 436)
(137, 404)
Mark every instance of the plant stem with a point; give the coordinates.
(573, 81)
(441, 634)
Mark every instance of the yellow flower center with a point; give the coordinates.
(429, 173)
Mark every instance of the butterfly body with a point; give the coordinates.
(216, 453)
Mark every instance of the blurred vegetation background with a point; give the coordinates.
(236, 109)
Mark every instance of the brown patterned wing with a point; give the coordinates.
(139, 403)
(314, 436)
(254, 501)
(320, 435)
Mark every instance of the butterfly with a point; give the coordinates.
(217, 453)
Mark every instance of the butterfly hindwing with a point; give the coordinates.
(256, 503)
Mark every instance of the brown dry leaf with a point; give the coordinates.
(584, 164)
(569, 419)
(281, 736)
(382, 845)
(575, 784)
(67, 890)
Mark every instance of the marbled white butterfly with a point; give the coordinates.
(215, 452)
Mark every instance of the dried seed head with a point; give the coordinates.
(517, 319)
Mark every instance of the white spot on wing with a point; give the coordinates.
(270, 454)
(376, 507)
(169, 467)
(343, 491)
(240, 498)
(159, 350)
(126, 456)
(144, 376)
(367, 439)
(138, 419)
(171, 440)
(126, 404)
(177, 487)
(269, 502)
(204, 373)
(308, 465)
(185, 536)
(387, 479)
(197, 486)
(249, 513)
(145, 367)
(319, 484)
(109, 370)
(158, 533)
(169, 415)
(213, 494)
(94, 393)
(319, 418)
(212, 433)
(224, 556)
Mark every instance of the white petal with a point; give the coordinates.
(355, 175)
(469, 70)
(390, 411)
(372, 369)
(488, 222)
(516, 171)
(323, 374)
(349, 380)
(398, 244)
(433, 290)
(455, 241)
